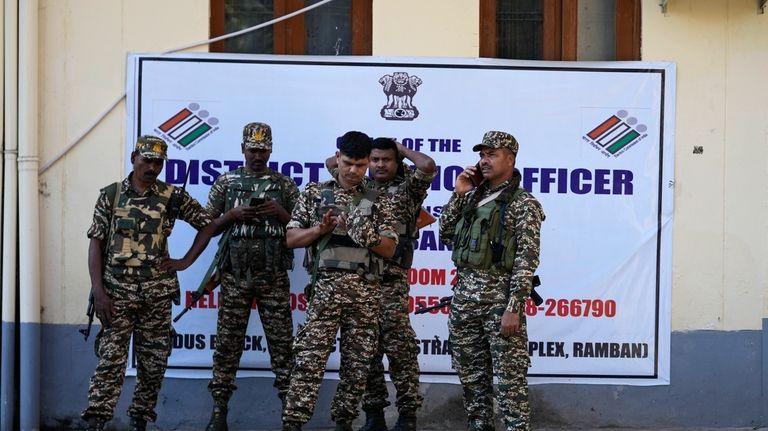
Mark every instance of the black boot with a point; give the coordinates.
(218, 420)
(291, 426)
(95, 424)
(137, 424)
(405, 422)
(374, 421)
(343, 426)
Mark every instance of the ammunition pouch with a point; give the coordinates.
(481, 241)
(137, 237)
(251, 255)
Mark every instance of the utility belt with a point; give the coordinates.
(250, 255)
(137, 274)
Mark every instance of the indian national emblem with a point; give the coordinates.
(399, 89)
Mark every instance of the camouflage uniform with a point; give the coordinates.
(396, 335)
(480, 298)
(256, 268)
(343, 298)
(141, 294)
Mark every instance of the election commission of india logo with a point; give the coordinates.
(616, 134)
(400, 88)
(188, 127)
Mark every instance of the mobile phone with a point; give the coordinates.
(477, 178)
(256, 202)
(334, 210)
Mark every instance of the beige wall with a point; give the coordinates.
(721, 51)
(721, 201)
(427, 28)
(83, 47)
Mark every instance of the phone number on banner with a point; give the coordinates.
(550, 307)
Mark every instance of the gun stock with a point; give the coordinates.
(206, 288)
(89, 312)
(537, 299)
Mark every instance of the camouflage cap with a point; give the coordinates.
(494, 139)
(151, 147)
(258, 136)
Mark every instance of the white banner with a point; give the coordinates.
(596, 149)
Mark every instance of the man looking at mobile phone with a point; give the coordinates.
(346, 251)
(390, 175)
(256, 201)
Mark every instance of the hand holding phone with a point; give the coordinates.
(256, 202)
(477, 178)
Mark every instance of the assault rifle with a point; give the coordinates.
(212, 278)
(447, 300)
(208, 286)
(89, 312)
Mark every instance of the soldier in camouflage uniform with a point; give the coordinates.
(255, 202)
(494, 229)
(346, 227)
(396, 335)
(133, 281)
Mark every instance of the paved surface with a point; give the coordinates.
(596, 429)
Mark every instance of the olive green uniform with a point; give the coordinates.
(255, 268)
(141, 293)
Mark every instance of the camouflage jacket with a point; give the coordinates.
(284, 190)
(408, 193)
(524, 216)
(362, 229)
(190, 211)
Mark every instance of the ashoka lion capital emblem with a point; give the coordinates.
(399, 89)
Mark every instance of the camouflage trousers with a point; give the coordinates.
(272, 294)
(342, 300)
(141, 312)
(477, 351)
(396, 340)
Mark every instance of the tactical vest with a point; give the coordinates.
(403, 256)
(481, 240)
(140, 227)
(257, 245)
(341, 252)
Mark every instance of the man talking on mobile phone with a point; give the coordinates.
(494, 227)
(256, 202)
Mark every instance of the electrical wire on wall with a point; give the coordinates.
(120, 98)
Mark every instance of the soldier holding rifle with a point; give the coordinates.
(133, 281)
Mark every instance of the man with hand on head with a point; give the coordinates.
(494, 228)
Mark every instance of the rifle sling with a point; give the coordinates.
(321, 245)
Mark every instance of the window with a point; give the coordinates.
(560, 29)
(341, 27)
